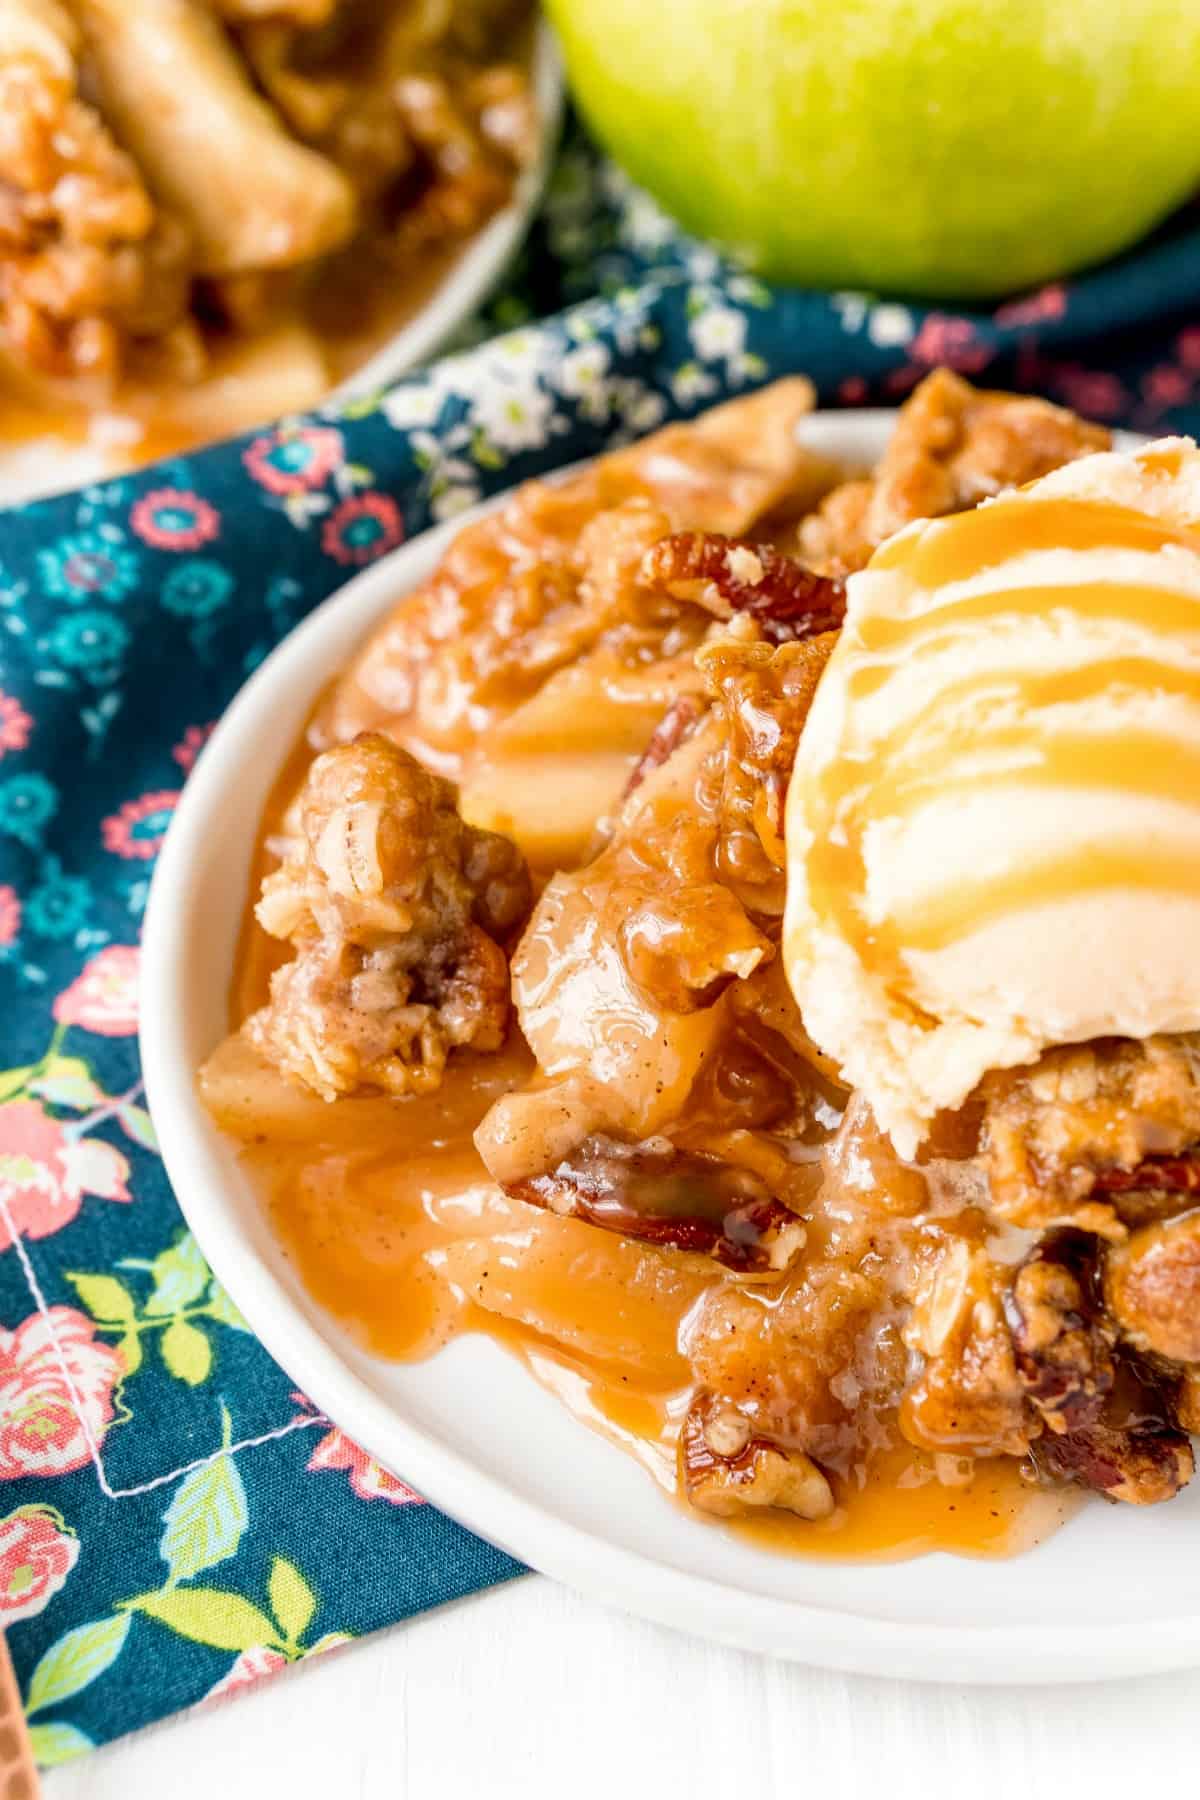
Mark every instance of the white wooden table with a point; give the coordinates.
(530, 1691)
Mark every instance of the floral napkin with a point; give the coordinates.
(178, 1521)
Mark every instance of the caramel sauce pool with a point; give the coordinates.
(394, 1226)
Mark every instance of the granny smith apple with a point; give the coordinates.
(946, 147)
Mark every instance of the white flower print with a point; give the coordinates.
(513, 417)
(453, 498)
(690, 383)
(582, 371)
(889, 326)
(412, 405)
(717, 332)
(645, 226)
(582, 376)
(702, 263)
(638, 407)
(851, 308)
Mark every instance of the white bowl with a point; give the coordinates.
(50, 465)
(1116, 1592)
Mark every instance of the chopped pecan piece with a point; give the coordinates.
(953, 446)
(789, 600)
(763, 694)
(1187, 1401)
(1157, 1174)
(1140, 1463)
(1061, 1340)
(969, 1399)
(1066, 1139)
(676, 1198)
(726, 1469)
(1152, 1286)
(676, 725)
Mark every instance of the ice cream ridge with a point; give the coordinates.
(993, 825)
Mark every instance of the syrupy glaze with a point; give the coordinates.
(975, 733)
(392, 1223)
(390, 1217)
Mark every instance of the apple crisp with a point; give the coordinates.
(553, 781)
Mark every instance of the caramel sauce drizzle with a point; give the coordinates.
(971, 721)
(394, 1226)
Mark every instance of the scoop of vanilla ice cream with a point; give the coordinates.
(993, 824)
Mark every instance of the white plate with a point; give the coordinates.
(50, 465)
(1115, 1593)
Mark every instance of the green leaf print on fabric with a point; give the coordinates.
(220, 1307)
(180, 1277)
(57, 1743)
(136, 1122)
(292, 1600)
(185, 1290)
(107, 1299)
(75, 1661)
(206, 1519)
(186, 1352)
(67, 1081)
(15, 1081)
(209, 1616)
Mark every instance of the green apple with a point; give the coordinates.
(947, 147)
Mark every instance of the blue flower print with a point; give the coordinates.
(60, 905)
(27, 804)
(197, 588)
(91, 565)
(91, 642)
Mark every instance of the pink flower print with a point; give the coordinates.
(45, 1173)
(1033, 309)
(37, 1553)
(362, 528)
(904, 379)
(138, 829)
(15, 724)
(943, 339)
(10, 915)
(56, 1390)
(852, 391)
(171, 519)
(104, 998)
(1187, 347)
(294, 462)
(1090, 391)
(1165, 385)
(191, 744)
(261, 1661)
(247, 1668)
(368, 1479)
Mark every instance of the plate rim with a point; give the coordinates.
(843, 1638)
